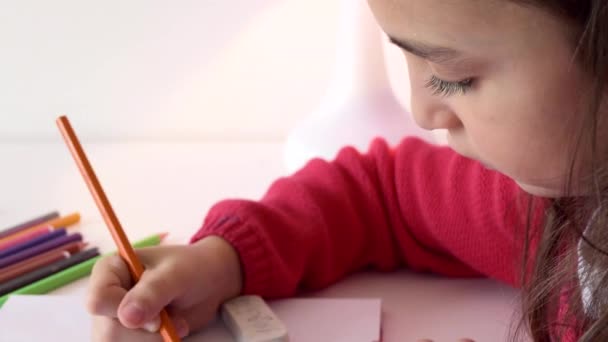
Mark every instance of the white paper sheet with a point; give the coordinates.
(64, 318)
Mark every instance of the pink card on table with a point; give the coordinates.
(328, 319)
(317, 319)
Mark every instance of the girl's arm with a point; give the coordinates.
(418, 205)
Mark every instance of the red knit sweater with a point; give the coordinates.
(418, 206)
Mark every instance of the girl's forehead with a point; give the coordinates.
(450, 11)
(469, 25)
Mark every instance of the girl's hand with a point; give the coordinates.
(190, 281)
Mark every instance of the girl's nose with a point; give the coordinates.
(436, 118)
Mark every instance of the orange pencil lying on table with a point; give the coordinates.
(60, 222)
(167, 330)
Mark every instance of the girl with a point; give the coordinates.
(519, 195)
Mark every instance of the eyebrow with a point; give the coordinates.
(435, 54)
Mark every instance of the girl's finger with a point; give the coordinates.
(108, 284)
(154, 291)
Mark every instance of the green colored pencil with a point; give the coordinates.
(73, 273)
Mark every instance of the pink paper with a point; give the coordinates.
(337, 320)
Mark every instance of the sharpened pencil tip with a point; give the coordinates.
(163, 235)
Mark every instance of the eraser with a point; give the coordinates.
(250, 319)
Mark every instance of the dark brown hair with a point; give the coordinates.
(576, 229)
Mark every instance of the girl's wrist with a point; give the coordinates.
(224, 260)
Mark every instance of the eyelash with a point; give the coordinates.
(446, 88)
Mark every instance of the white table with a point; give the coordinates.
(169, 186)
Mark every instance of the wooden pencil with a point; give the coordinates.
(60, 222)
(36, 240)
(29, 223)
(69, 248)
(38, 249)
(126, 251)
(28, 265)
(32, 234)
(73, 273)
(47, 270)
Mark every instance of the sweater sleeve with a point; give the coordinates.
(418, 205)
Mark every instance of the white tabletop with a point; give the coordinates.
(169, 187)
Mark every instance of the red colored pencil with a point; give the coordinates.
(60, 222)
(29, 223)
(25, 237)
(28, 265)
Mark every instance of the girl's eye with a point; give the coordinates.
(446, 88)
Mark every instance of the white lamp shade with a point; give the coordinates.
(360, 104)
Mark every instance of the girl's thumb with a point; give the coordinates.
(141, 306)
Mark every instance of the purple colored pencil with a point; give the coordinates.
(32, 242)
(30, 223)
(46, 271)
(41, 248)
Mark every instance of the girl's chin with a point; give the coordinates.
(487, 166)
(541, 191)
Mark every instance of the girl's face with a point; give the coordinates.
(498, 76)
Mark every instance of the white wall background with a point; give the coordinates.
(165, 70)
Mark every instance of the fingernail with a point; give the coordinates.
(134, 313)
(152, 326)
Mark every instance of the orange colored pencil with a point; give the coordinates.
(125, 250)
(28, 265)
(60, 222)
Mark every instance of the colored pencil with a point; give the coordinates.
(27, 236)
(73, 273)
(70, 247)
(32, 242)
(167, 330)
(30, 223)
(31, 264)
(64, 221)
(41, 248)
(47, 270)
